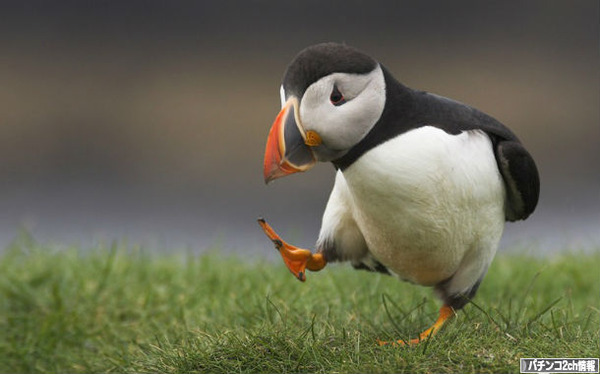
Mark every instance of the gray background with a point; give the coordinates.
(147, 120)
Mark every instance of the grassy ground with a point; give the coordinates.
(123, 310)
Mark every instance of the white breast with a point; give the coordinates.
(429, 204)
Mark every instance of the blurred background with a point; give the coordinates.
(146, 121)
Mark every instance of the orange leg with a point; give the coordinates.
(296, 259)
(446, 312)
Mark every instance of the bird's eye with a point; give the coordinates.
(336, 97)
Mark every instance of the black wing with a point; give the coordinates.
(521, 179)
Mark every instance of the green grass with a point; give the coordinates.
(120, 309)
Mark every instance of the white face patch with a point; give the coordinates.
(342, 126)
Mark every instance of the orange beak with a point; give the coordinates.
(287, 152)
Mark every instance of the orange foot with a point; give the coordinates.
(446, 312)
(296, 259)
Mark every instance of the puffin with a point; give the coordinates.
(423, 184)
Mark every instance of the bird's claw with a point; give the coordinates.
(296, 259)
(446, 312)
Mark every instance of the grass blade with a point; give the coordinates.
(544, 311)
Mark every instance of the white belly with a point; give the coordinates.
(425, 201)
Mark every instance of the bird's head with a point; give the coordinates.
(331, 96)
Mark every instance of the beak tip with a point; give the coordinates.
(271, 178)
(269, 175)
(273, 171)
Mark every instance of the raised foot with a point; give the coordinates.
(446, 312)
(296, 259)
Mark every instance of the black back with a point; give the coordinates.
(407, 109)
